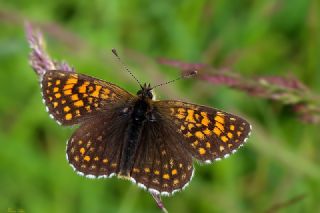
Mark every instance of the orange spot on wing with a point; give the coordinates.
(205, 121)
(166, 176)
(58, 95)
(82, 151)
(180, 116)
(195, 143)
(97, 91)
(174, 172)
(82, 88)
(181, 110)
(68, 86)
(208, 145)
(181, 113)
(190, 117)
(224, 139)
(55, 104)
(147, 170)
(217, 131)
(68, 92)
(220, 126)
(55, 89)
(219, 119)
(188, 135)
(231, 127)
(66, 109)
(88, 108)
(86, 158)
(199, 135)
(106, 91)
(74, 97)
(68, 116)
(207, 132)
(202, 151)
(79, 103)
(190, 126)
(72, 81)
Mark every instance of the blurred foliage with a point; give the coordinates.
(277, 171)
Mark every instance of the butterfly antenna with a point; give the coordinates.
(189, 74)
(114, 51)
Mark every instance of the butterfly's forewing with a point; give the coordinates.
(161, 165)
(208, 134)
(94, 149)
(71, 98)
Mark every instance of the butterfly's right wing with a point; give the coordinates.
(208, 134)
(72, 98)
(161, 166)
(94, 148)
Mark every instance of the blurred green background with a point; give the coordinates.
(277, 171)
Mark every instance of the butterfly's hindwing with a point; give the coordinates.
(94, 149)
(71, 98)
(209, 134)
(161, 166)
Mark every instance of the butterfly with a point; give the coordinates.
(152, 143)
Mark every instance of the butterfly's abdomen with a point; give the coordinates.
(132, 137)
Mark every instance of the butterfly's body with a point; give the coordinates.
(137, 117)
(152, 143)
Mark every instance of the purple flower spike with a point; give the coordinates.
(39, 60)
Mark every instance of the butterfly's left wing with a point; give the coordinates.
(72, 98)
(208, 134)
(94, 148)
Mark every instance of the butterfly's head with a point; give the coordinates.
(145, 92)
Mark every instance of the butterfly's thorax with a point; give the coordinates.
(138, 117)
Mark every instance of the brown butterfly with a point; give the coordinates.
(152, 143)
